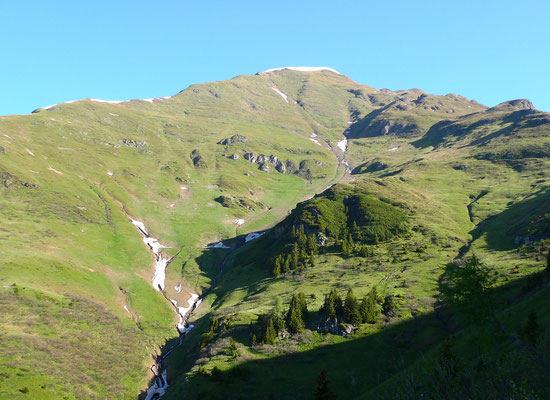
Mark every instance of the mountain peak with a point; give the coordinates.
(304, 69)
(518, 104)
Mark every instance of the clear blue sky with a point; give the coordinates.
(55, 51)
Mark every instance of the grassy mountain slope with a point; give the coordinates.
(459, 203)
(82, 319)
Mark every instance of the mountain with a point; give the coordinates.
(223, 179)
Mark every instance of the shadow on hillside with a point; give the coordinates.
(440, 131)
(354, 367)
(521, 223)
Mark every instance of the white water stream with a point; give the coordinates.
(160, 384)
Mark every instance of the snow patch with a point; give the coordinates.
(140, 225)
(313, 134)
(182, 311)
(158, 388)
(108, 101)
(393, 148)
(159, 276)
(343, 144)
(110, 173)
(304, 69)
(218, 245)
(178, 288)
(154, 245)
(252, 236)
(30, 152)
(315, 141)
(284, 96)
(53, 105)
(238, 221)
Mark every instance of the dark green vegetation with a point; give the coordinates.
(423, 274)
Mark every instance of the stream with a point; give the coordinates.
(160, 384)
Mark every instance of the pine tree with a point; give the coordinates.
(531, 330)
(277, 316)
(277, 267)
(351, 309)
(322, 391)
(332, 306)
(368, 309)
(312, 246)
(270, 335)
(364, 251)
(294, 322)
(286, 264)
(312, 260)
(294, 257)
(389, 307)
(346, 249)
(302, 305)
(233, 349)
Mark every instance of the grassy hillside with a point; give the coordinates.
(457, 203)
(433, 178)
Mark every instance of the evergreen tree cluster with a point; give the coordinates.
(275, 324)
(350, 310)
(303, 248)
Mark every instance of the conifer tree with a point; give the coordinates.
(311, 245)
(312, 260)
(351, 309)
(531, 330)
(332, 306)
(294, 322)
(294, 257)
(345, 247)
(322, 391)
(368, 309)
(277, 267)
(277, 316)
(233, 348)
(286, 264)
(389, 307)
(270, 335)
(302, 305)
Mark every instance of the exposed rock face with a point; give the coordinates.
(10, 180)
(267, 163)
(234, 139)
(198, 161)
(133, 143)
(321, 239)
(520, 104)
(334, 327)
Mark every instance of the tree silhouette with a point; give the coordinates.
(322, 391)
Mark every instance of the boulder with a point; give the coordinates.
(234, 139)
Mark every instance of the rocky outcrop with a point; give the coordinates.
(198, 160)
(268, 163)
(334, 327)
(133, 143)
(234, 139)
(11, 181)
